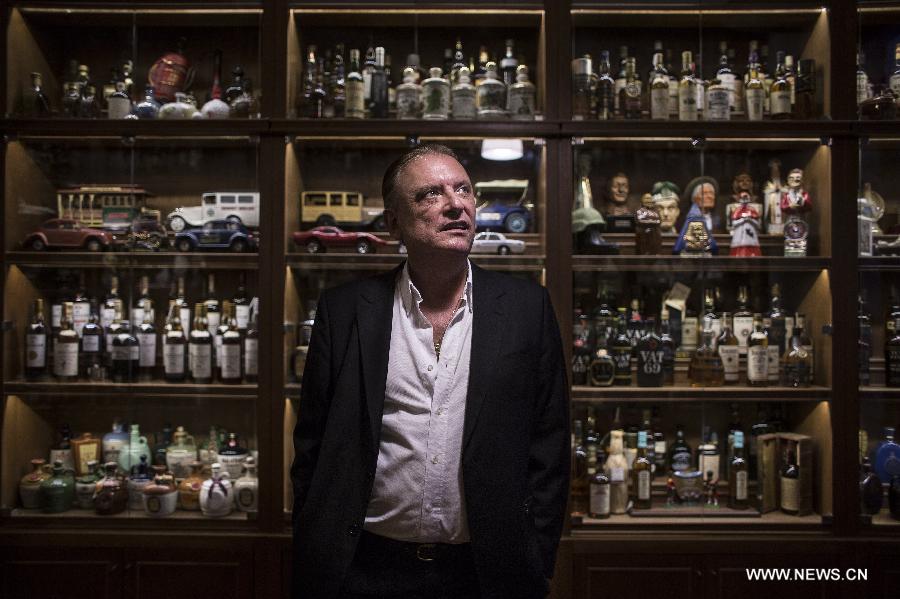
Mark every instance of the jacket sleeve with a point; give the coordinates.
(315, 398)
(548, 464)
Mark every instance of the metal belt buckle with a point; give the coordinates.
(426, 552)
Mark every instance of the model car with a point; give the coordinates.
(239, 206)
(490, 243)
(216, 235)
(503, 205)
(67, 233)
(318, 239)
(147, 232)
(341, 208)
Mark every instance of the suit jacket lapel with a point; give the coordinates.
(487, 335)
(374, 317)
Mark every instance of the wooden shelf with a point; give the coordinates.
(804, 132)
(129, 519)
(155, 260)
(880, 263)
(885, 520)
(356, 128)
(773, 520)
(87, 128)
(709, 264)
(724, 394)
(879, 393)
(379, 262)
(128, 391)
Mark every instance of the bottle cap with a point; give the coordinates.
(463, 75)
(582, 66)
(436, 72)
(522, 73)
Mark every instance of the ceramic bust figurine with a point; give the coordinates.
(742, 184)
(695, 239)
(665, 198)
(648, 240)
(795, 201)
(702, 192)
(744, 224)
(772, 200)
(617, 196)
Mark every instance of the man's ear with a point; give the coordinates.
(393, 227)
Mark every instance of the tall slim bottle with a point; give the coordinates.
(251, 351)
(758, 356)
(36, 344)
(200, 348)
(175, 346)
(378, 102)
(780, 94)
(147, 340)
(737, 476)
(65, 347)
(229, 367)
(687, 89)
(617, 470)
(91, 352)
(641, 475)
(606, 89)
(659, 89)
(126, 355)
(579, 482)
(730, 352)
(355, 107)
(213, 314)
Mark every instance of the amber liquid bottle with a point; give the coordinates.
(737, 475)
(641, 475)
(36, 344)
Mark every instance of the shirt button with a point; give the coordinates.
(434, 460)
(354, 530)
(430, 367)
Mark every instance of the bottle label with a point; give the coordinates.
(124, 352)
(213, 319)
(107, 316)
(464, 103)
(643, 490)
(681, 460)
(520, 103)
(714, 325)
(622, 357)
(674, 102)
(112, 448)
(756, 99)
(758, 364)
(616, 475)
(862, 87)
(790, 494)
(217, 345)
(185, 316)
(242, 315)
(651, 362)
(659, 447)
(740, 485)
(729, 82)
(231, 361)
(36, 351)
(659, 103)
(599, 501)
(717, 104)
(173, 358)
(65, 359)
(603, 371)
(137, 315)
(56, 316)
(90, 344)
(707, 463)
(687, 102)
(780, 101)
(148, 350)
(772, 356)
(119, 108)
(251, 361)
(731, 356)
(689, 333)
(738, 105)
(247, 497)
(742, 327)
(81, 313)
(200, 359)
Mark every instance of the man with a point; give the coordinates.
(432, 437)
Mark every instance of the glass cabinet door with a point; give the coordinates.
(878, 60)
(131, 341)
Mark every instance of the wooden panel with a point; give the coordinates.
(818, 48)
(222, 580)
(732, 582)
(816, 422)
(26, 435)
(639, 583)
(69, 580)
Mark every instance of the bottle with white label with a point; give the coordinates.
(36, 344)
(780, 94)
(755, 91)
(241, 304)
(659, 89)
(617, 470)
(184, 307)
(81, 307)
(521, 96)
(790, 483)
(687, 89)
(140, 306)
(65, 347)
(737, 475)
(641, 475)
(108, 311)
(717, 101)
(727, 77)
(91, 353)
(229, 365)
(730, 352)
(773, 354)
(689, 330)
(251, 350)
(742, 323)
(147, 340)
(598, 503)
(174, 346)
(213, 312)
(200, 348)
(708, 456)
(463, 96)
(758, 356)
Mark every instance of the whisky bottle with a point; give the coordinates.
(251, 350)
(579, 482)
(174, 346)
(65, 347)
(725, 75)
(621, 352)
(367, 69)
(35, 103)
(463, 96)
(734, 427)
(687, 89)
(892, 358)
(758, 356)
(620, 80)
(602, 370)
(668, 348)
(773, 356)
(797, 362)
(108, 310)
(36, 344)
(631, 449)
(737, 476)
(680, 455)
(183, 307)
(659, 89)
(689, 326)
(641, 475)
(862, 79)
(605, 93)
(200, 348)
(91, 353)
(126, 354)
(435, 96)
(673, 86)
(617, 470)
(115, 327)
(755, 92)
(217, 338)
(870, 490)
(711, 320)
(81, 307)
(705, 369)
(337, 84)
(630, 94)
(780, 94)
(230, 365)
(650, 358)
(790, 483)
(490, 95)
(409, 96)
(791, 76)
(599, 491)
(378, 91)
(708, 459)
(241, 304)
(729, 352)
(718, 97)
(742, 322)
(777, 316)
(521, 96)
(355, 103)
(583, 88)
(146, 337)
(213, 313)
(660, 453)
(137, 311)
(634, 325)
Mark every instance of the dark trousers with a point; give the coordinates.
(387, 569)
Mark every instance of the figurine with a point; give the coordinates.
(695, 239)
(647, 238)
(772, 198)
(876, 201)
(702, 193)
(171, 73)
(587, 222)
(744, 225)
(794, 202)
(619, 214)
(665, 196)
(743, 183)
(670, 492)
(712, 492)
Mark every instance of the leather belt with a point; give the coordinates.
(424, 552)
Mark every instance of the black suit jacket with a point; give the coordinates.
(515, 460)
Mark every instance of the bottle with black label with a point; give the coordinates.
(680, 455)
(36, 344)
(790, 483)
(621, 352)
(892, 358)
(91, 353)
(650, 358)
(174, 346)
(200, 348)
(737, 475)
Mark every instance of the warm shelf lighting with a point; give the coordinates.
(502, 149)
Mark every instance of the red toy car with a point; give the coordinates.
(318, 239)
(67, 233)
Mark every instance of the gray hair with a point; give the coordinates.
(395, 170)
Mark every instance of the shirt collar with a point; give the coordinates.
(411, 297)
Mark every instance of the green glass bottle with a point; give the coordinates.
(57, 493)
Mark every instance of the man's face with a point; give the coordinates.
(795, 180)
(618, 189)
(705, 196)
(435, 206)
(744, 182)
(668, 212)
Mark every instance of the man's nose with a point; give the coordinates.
(455, 201)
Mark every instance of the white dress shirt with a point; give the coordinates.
(418, 492)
